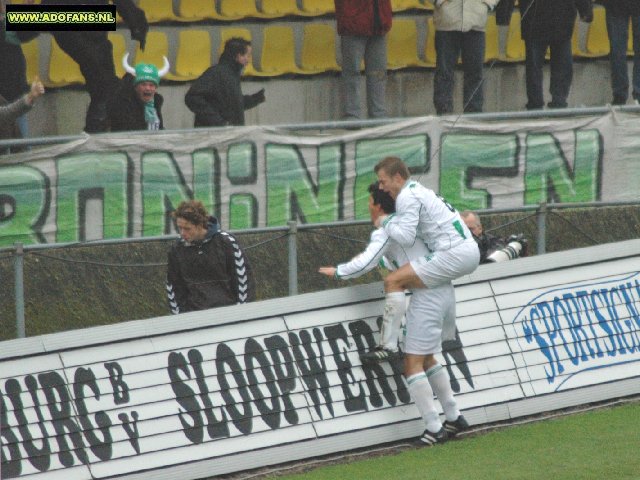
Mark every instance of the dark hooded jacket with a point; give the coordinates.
(216, 97)
(552, 20)
(622, 8)
(126, 110)
(211, 273)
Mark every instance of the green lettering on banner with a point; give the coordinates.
(24, 204)
(294, 192)
(206, 179)
(163, 188)
(242, 163)
(105, 177)
(464, 157)
(413, 150)
(550, 178)
(243, 211)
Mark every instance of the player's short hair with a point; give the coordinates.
(382, 198)
(391, 166)
(192, 211)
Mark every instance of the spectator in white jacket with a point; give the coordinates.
(460, 26)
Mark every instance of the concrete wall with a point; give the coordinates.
(314, 99)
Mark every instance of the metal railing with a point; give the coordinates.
(291, 231)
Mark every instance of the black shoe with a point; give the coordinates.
(428, 439)
(379, 354)
(454, 428)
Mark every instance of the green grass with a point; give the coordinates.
(600, 444)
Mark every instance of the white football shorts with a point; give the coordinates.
(446, 265)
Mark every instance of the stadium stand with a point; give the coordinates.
(318, 49)
(237, 9)
(430, 43)
(596, 43)
(31, 52)
(197, 10)
(158, 10)
(492, 44)
(156, 48)
(278, 51)
(63, 70)
(278, 8)
(193, 56)
(402, 45)
(402, 5)
(317, 7)
(514, 49)
(119, 49)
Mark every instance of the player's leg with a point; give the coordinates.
(422, 395)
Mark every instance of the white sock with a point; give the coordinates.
(441, 385)
(394, 307)
(422, 395)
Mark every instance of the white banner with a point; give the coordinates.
(112, 186)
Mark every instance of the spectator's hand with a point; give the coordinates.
(259, 96)
(328, 271)
(588, 18)
(37, 89)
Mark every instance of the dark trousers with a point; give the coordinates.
(561, 66)
(450, 46)
(618, 32)
(92, 51)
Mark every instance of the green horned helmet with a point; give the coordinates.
(145, 72)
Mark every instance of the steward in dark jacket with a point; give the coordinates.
(216, 97)
(208, 272)
(552, 20)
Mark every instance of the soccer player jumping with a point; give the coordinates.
(424, 216)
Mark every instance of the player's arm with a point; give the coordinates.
(364, 262)
(402, 226)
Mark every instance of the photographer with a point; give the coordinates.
(494, 249)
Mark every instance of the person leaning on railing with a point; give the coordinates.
(9, 113)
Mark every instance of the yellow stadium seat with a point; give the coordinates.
(119, 49)
(198, 10)
(630, 41)
(194, 55)
(492, 43)
(430, 43)
(279, 8)
(402, 45)
(236, 9)
(157, 46)
(230, 32)
(278, 51)
(317, 7)
(319, 49)
(158, 10)
(514, 50)
(63, 70)
(402, 5)
(428, 4)
(31, 51)
(597, 41)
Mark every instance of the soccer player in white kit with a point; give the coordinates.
(383, 249)
(423, 216)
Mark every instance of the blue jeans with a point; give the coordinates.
(449, 46)
(373, 50)
(618, 31)
(561, 66)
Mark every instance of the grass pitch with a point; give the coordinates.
(598, 444)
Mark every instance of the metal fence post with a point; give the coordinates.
(293, 257)
(18, 273)
(541, 220)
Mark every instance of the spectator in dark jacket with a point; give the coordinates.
(549, 24)
(619, 13)
(207, 268)
(362, 26)
(137, 105)
(93, 53)
(216, 97)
